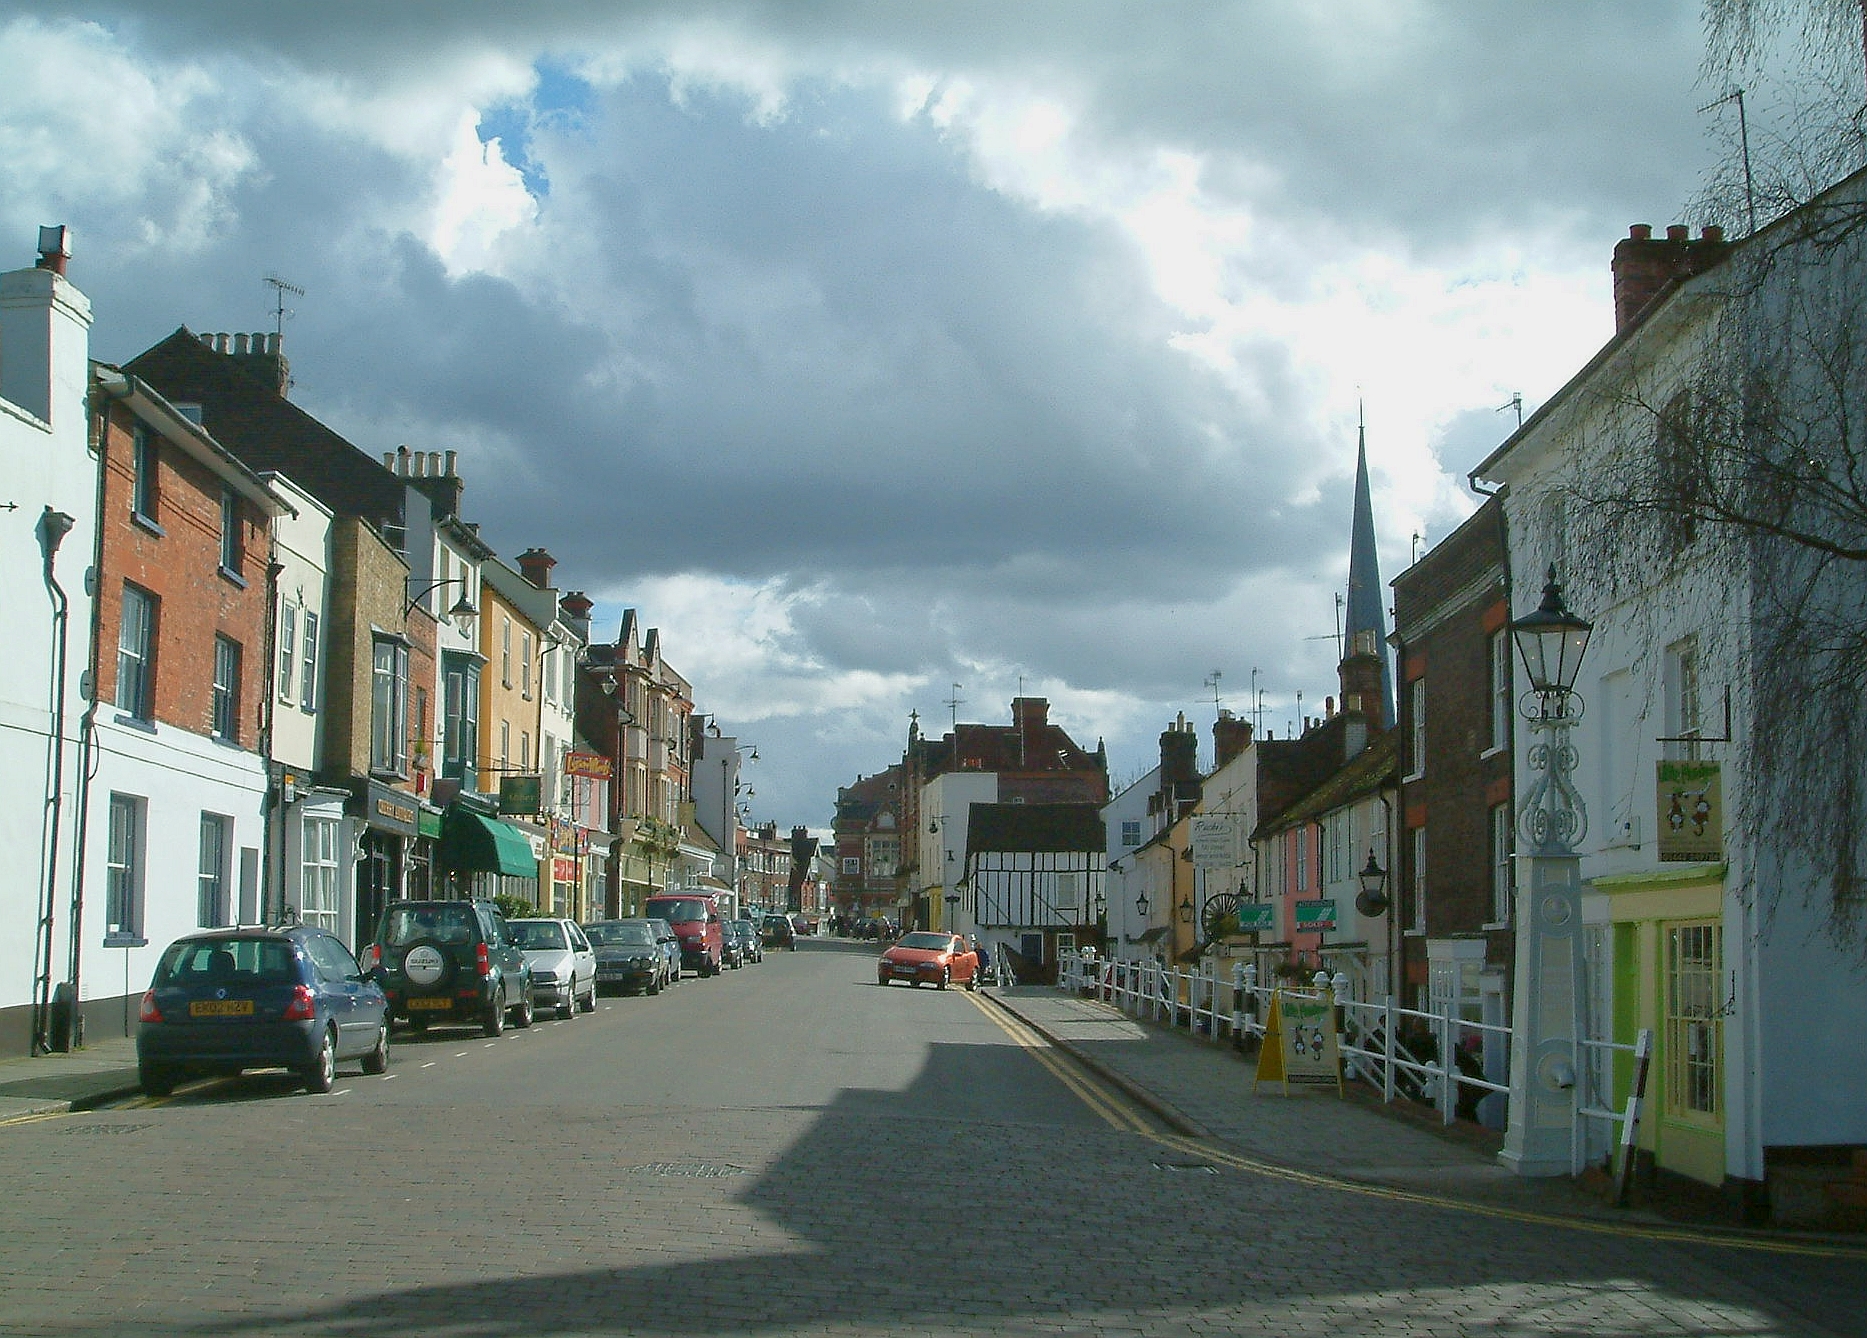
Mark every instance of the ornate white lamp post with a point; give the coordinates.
(1551, 818)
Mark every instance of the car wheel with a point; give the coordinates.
(972, 982)
(155, 1079)
(653, 986)
(522, 1015)
(322, 1075)
(377, 1060)
(495, 1020)
(589, 1000)
(945, 976)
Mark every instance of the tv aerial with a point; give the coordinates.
(280, 287)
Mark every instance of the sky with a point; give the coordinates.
(888, 354)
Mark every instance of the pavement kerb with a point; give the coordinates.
(1159, 1106)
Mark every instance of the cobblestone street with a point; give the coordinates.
(905, 1163)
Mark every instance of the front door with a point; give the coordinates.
(1691, 1050)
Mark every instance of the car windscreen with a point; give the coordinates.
(453, 923)
(680, 910)
(538, 935)
(930, 942)
(227, 961)
(619, 936)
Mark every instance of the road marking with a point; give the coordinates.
(1212, 1152)
(35, 1117)
(1113, 1111)
(389, 1077)
(431, 1063)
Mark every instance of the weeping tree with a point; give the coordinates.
(1740, 454)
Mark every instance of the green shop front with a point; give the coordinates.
(480, 856)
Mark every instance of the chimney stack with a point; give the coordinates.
(1179, 766)
(576, 607)
(535, 565)
(1230, 737)
(262, 355)
(1644, 265)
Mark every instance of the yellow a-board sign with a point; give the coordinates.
(1300, 1042)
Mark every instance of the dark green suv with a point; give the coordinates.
(450, 961)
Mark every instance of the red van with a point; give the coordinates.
(696, 920)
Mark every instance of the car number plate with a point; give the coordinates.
(431, 1003)
(905, 970)
(221, 1008)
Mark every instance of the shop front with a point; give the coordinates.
(390, 822)
(480, 855)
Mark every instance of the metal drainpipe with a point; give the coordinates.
(270, 826)
(53, 527)
(87, 729)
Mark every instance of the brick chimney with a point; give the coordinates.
(1644, 265)
(263, 355)
(576, 606)
(1230, 737)
(1030, 712)
(535, 565)
(1179, 766)
(432, 473)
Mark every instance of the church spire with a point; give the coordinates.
(1365, 632)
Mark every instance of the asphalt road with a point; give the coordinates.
(789, 1148)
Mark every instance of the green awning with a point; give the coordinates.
(471, 843)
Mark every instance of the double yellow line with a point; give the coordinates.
(1115, 1111)
(1119, 1113)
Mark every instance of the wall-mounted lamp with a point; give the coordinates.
(1141, 904)
(463, 613)
(1186, 909)
(1102, 905)
(1372, 899)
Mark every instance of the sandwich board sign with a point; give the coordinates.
(1300, 1042)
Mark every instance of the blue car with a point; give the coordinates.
(224, 1000)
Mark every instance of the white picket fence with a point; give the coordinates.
(1223, 1008)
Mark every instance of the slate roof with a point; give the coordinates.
(1035, 827)
(267, 432)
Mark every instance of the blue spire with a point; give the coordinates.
(1366, 601)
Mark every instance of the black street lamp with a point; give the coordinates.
(1141, 903)
(1373, 898)
(1551, 642)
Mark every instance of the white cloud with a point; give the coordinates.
(482, 198)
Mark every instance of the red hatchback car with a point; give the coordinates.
(940, 959)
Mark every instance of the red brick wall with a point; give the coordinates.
(178, 561)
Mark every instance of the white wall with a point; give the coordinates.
(44, 462)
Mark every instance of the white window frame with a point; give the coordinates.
(389, 707)
(232, 545)
(318, 887)
(288, 648)
(1418, 839)
(225, 719)
(1416, 737)
(1503, 880)
(525, 665)
(123, 864)
(308, 665)
(213, 908)
(136, 653)
(1501, 685)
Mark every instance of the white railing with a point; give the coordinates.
(1233, 1005)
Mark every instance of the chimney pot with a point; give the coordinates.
(54, 247)
(388, 460)
(434, 465)
(452, 456)
(1641, 232)
(1678, 232)
(1711, 232)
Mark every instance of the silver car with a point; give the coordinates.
(563, 964)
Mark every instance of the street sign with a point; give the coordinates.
(1691, 812)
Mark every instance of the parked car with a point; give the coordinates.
(670, 947)
(801, 924)
(940, 959)
(696, 919)
(230, 999)
(778, 933)
(732, 952)
(562, 961)
(451, 961)
(630, 956)
(749, 943)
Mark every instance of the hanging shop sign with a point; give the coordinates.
(1691, 812)
(594, 766)
(1214, 842)
(521, 794)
